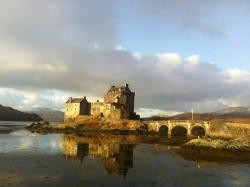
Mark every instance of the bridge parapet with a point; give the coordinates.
(170, 124)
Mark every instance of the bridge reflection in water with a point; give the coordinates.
(115, 156)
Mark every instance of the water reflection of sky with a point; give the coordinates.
(29, 159)
(22, 140)
(14, 123)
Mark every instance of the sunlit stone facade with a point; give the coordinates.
(118, 104)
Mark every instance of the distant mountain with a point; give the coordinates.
(10, 114)
(234, 111)
(197, 116)
(232, 114)
(49, 114)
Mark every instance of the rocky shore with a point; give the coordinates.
(217, 149)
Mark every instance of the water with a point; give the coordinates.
(29, 159)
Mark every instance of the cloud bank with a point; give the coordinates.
(53, 49)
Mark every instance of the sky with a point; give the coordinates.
(176, 55)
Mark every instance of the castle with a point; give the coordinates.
(118, 104)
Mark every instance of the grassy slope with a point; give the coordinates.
(10, 114)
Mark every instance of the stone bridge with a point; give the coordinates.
(179, 127)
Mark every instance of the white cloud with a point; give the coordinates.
(193, 59)
(242, 99)
(169, 59)
(236, 75)
(187, 84)
(52, 50)
(120, 48)
(138, 56)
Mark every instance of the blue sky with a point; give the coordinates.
(153, 35)
(176, 55)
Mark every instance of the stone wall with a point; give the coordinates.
(128, 101)
(212, 129)
(85, 108)
(97, 108)
(106, 110)
(72, 110)
(229, 130)
(113, 95)
(118, 104)
(124, 97)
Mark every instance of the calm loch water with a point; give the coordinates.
(28, 159)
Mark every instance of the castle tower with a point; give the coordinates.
(123, 97)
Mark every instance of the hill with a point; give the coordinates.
(10, 114)
(234, 111)
(232, 114)
(49, 114)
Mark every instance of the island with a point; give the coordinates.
(116, 115)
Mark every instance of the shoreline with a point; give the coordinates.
(98, 125)
(209, 149)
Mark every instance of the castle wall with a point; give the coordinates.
(123, 97)
(128, 102)
(118, 104)
(112, 95)
(97, 109)
(101, 109)
(72, 110)
(116, 113)
(85, 108)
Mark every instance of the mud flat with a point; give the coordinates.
(217, 149)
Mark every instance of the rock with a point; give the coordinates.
(235, 144)
(40, 124)
(217, 150)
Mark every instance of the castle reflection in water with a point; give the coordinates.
(115, 155)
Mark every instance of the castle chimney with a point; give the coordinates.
(70, 99)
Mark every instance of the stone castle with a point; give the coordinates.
(118, 104)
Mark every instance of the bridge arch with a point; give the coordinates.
(163, 130)
(198, 131)
(179, 130)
